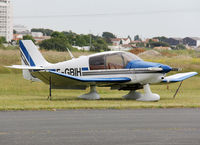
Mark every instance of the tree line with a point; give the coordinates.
(67, 39)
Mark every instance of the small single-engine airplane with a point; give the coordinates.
(116, 69)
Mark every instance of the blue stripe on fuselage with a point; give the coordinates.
(85, 69)
(28, 57)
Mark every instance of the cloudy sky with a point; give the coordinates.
(148, 18)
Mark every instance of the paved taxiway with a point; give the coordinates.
(101, 127)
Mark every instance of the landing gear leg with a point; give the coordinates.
(92, 95)
(147, 96)
(49, 97)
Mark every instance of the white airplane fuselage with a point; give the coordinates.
(80, 67)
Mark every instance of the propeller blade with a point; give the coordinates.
(176, 69)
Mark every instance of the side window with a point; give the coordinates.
(114, 61)
(97, 62)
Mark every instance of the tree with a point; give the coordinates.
(121, 42)
(100, 45)
(153, 44)
(137, 38)
(71, 37)
(80, 40)
(28, 37)
(55, 44)
(162, 38)
(61, 40)
(108, 36)
(58, 41)
(46, 32)
(129, 37)
(2, 40)
(180, 46)
(57, 34)
(14, 31)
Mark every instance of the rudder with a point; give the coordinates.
(30, 54)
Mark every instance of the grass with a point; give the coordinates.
(19, 94)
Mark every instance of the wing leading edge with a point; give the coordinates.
(179, 77)
(65, 81)
(114, 79)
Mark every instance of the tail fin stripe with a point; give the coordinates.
(25, 52)
(23, 59)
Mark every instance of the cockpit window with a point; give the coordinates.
(114, 61)
(97, 62)
(117, 60)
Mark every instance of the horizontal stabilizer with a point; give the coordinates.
(179, 77)
(25, 67)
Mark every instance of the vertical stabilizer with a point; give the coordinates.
(31, 56)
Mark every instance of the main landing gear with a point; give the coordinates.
(147, 96)
(92, 95)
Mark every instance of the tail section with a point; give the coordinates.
(31, 56)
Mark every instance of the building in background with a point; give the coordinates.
(174, 41)
(120, 41)
(6, 20)
(21, 29)
(192, 41)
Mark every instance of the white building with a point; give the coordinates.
(120, 41)
(84, 48)
(6, 20)
(37, 34)
(21, 29)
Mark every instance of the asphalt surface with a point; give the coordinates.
(101, 127)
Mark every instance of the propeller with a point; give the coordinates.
(176, 69)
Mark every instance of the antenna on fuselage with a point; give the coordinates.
(71, 55)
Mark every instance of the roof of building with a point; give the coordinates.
(119, 39)
(194, 38)
(176, 38)
(115, 39)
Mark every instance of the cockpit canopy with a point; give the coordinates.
(118, 60)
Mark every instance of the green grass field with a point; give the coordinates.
(19, 94)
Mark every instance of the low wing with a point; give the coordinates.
(64, 81)
(179, 77)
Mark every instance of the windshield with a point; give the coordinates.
(128, 57)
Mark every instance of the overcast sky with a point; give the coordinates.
(148, 18)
